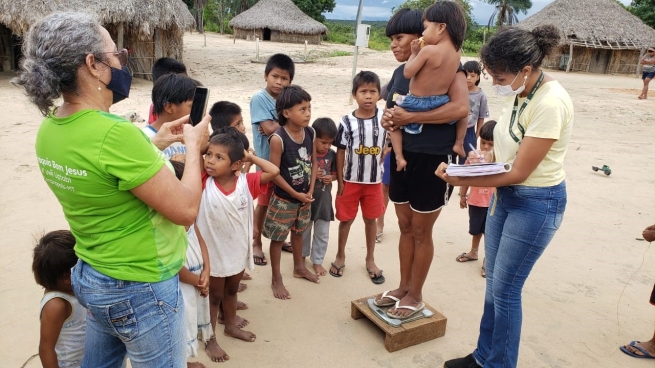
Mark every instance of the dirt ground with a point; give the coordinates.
(572, 315)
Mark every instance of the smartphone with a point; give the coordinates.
(199, 106)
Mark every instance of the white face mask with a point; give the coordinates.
(507, 89)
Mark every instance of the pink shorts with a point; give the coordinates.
(368, 195)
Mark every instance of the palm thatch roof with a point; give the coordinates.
(281, 15)
(144, 15)
(593, 23)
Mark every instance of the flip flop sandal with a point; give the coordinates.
(464, 258)
(378, 238)
(415, 310)
(388, 304)
(483, 272)
(287, 247)
(262, 259)
(339, 273)
(377, 279)
(634, 355)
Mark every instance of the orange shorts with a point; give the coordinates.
(265, 198)
(368, 195)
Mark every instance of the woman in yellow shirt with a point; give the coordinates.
(532, 133)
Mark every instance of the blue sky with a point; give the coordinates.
(381, 9)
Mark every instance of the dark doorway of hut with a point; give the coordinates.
(600, 59)
(267, 34)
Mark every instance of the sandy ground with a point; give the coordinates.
(571, 317)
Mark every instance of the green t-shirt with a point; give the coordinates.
(91, 160)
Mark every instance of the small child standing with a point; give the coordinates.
(360, 141)
(478, 108)
(478, 201)
(194, 285)
(225, 225)
(293, 151)
(321, 212)
(63, 319)
(432, 66)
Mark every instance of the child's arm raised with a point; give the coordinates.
(203, 283)
(275, 158)
(269, 171)
(53, 315)
(420, 57)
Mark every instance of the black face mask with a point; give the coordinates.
(120, 83)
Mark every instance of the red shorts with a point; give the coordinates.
(264, 198)
(368, 195)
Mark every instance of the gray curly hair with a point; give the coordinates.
(54, 49)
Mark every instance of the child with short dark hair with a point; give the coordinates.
(226, 114)
(172, 97)
(225, 226)
(432, 67)
(278, 74)
(478, 200)
(360, 141)
(321, 211)
(161, 67)
(478, 108)
(63, 319)
(293, 151)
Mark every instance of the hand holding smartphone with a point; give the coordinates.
(199, 106)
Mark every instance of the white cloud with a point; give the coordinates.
(350, 12)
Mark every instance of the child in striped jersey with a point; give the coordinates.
(360, 140)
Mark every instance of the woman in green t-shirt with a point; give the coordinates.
(120, 196)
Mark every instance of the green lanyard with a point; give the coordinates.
(525, 103)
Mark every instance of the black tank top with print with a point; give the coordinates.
(296, 162)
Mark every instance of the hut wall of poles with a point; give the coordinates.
(595, 60)
(277, 36)
(144, 50)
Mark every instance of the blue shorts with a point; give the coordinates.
(648, 75)
(422, 103)
(386, 172)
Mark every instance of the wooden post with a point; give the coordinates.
(158, 50)
(257, 48)
(568, 65)
(119, 38)
(641, 54)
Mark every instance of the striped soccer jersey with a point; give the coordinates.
(363, 140)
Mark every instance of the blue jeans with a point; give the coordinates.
(422, 103)
(523, 224)
(144, 321)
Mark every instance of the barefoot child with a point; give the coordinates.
(293, 151)
(225, 225)
(194, 285)
(359, 143)
(478, 108)
(432, 67)
(63, 319)
(228, 114)
(278, 74)
(321, 212)
(478, 201)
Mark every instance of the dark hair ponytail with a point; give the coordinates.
(513, 48)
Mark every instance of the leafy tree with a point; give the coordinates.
(645, 10)
(507, 10)
(316, 8)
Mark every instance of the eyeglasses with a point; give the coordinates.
(122, 55)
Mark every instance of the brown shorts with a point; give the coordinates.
(283, 217)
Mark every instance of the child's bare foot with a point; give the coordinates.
(320, 271)
(241, 305)
(195, 365)
(304, 273)
(279, 291)
(239, 321)
(401, 163)
(246, 277)
(242, 287)
(458, 148)
(215, 353)
(239, 334)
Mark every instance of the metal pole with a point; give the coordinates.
(257, 48)
(358, 21)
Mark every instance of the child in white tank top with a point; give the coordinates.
(63, 319)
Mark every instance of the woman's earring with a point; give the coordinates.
(99, 89)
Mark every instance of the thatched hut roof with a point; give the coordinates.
(593, 23)
(143, 15)
(281, 15)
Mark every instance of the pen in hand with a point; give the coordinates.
(477, 154)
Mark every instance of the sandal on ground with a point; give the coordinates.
(260, 260)
(378, 238)
(339, 272)
(287, 247)
(376, 278)
(415, 310)
(635, 355)
(464, 258)
(386, 295)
